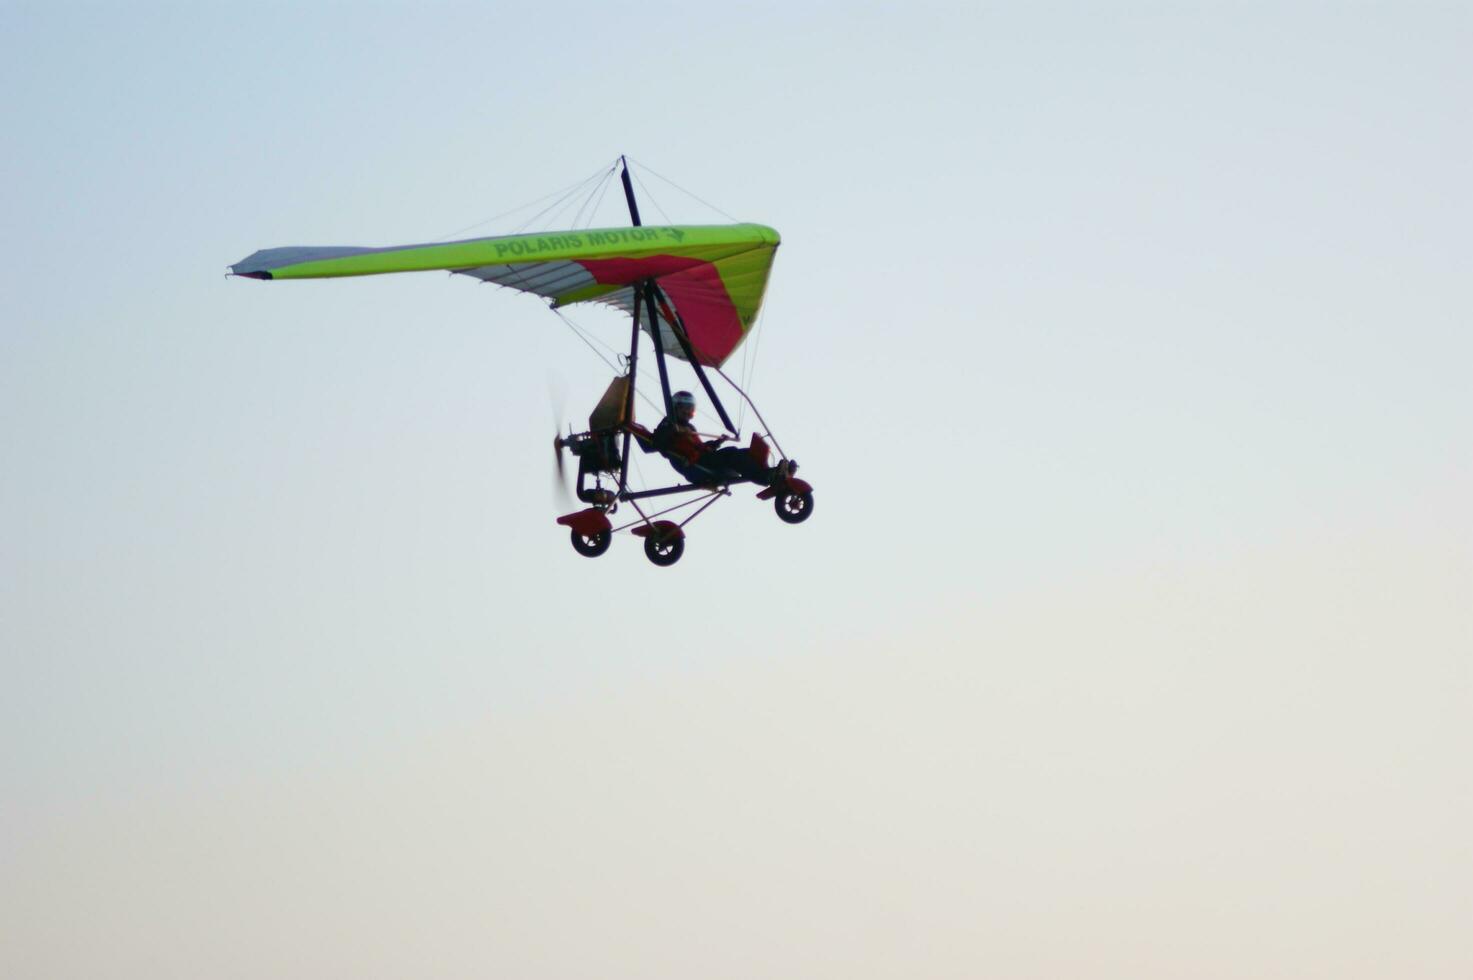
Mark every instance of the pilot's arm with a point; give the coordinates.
(644, 437)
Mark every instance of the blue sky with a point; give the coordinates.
(1126, 348)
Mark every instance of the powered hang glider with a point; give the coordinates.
(694, 289)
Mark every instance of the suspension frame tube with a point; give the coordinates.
(666, 491)
(661, 513)
(646, 293)
(714, 497)
(746, 398)
(629, 401)
(678, 329)
(629, 192)
(633, 342)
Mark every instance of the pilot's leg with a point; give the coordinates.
(735, 460)
(688, 473)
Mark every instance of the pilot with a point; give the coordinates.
(678, 441)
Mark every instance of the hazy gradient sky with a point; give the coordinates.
(1127, 347)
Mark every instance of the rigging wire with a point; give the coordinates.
(750, 350)
(645, 376)
(638, 470)
(588, 338)
(601, 181)
(746, 356)
(588, 199)
(580, 335)
(755, 411)
(603, 186)
(530, 204)
(600, 202)
(591, 335)
(650, 194)
(756, 350)
(559, 202)
(556, 217)
(644, 166)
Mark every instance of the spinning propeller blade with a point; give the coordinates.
(561, 494)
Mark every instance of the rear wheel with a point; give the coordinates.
(793, 508)
(664, 551)
(591, 546)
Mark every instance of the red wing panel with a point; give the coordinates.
(696, 290)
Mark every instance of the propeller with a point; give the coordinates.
(555, 400)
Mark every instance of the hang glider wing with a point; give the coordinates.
(713, 275)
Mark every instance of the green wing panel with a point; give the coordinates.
(714, 275)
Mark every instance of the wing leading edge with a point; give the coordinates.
(714, 275)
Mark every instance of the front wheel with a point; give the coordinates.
(664, 551)
(592, 545)
(793, 508)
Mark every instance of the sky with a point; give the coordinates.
(1126, 347)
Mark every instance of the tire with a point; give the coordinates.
(793, 508)
(594, 546)
(664, 552)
